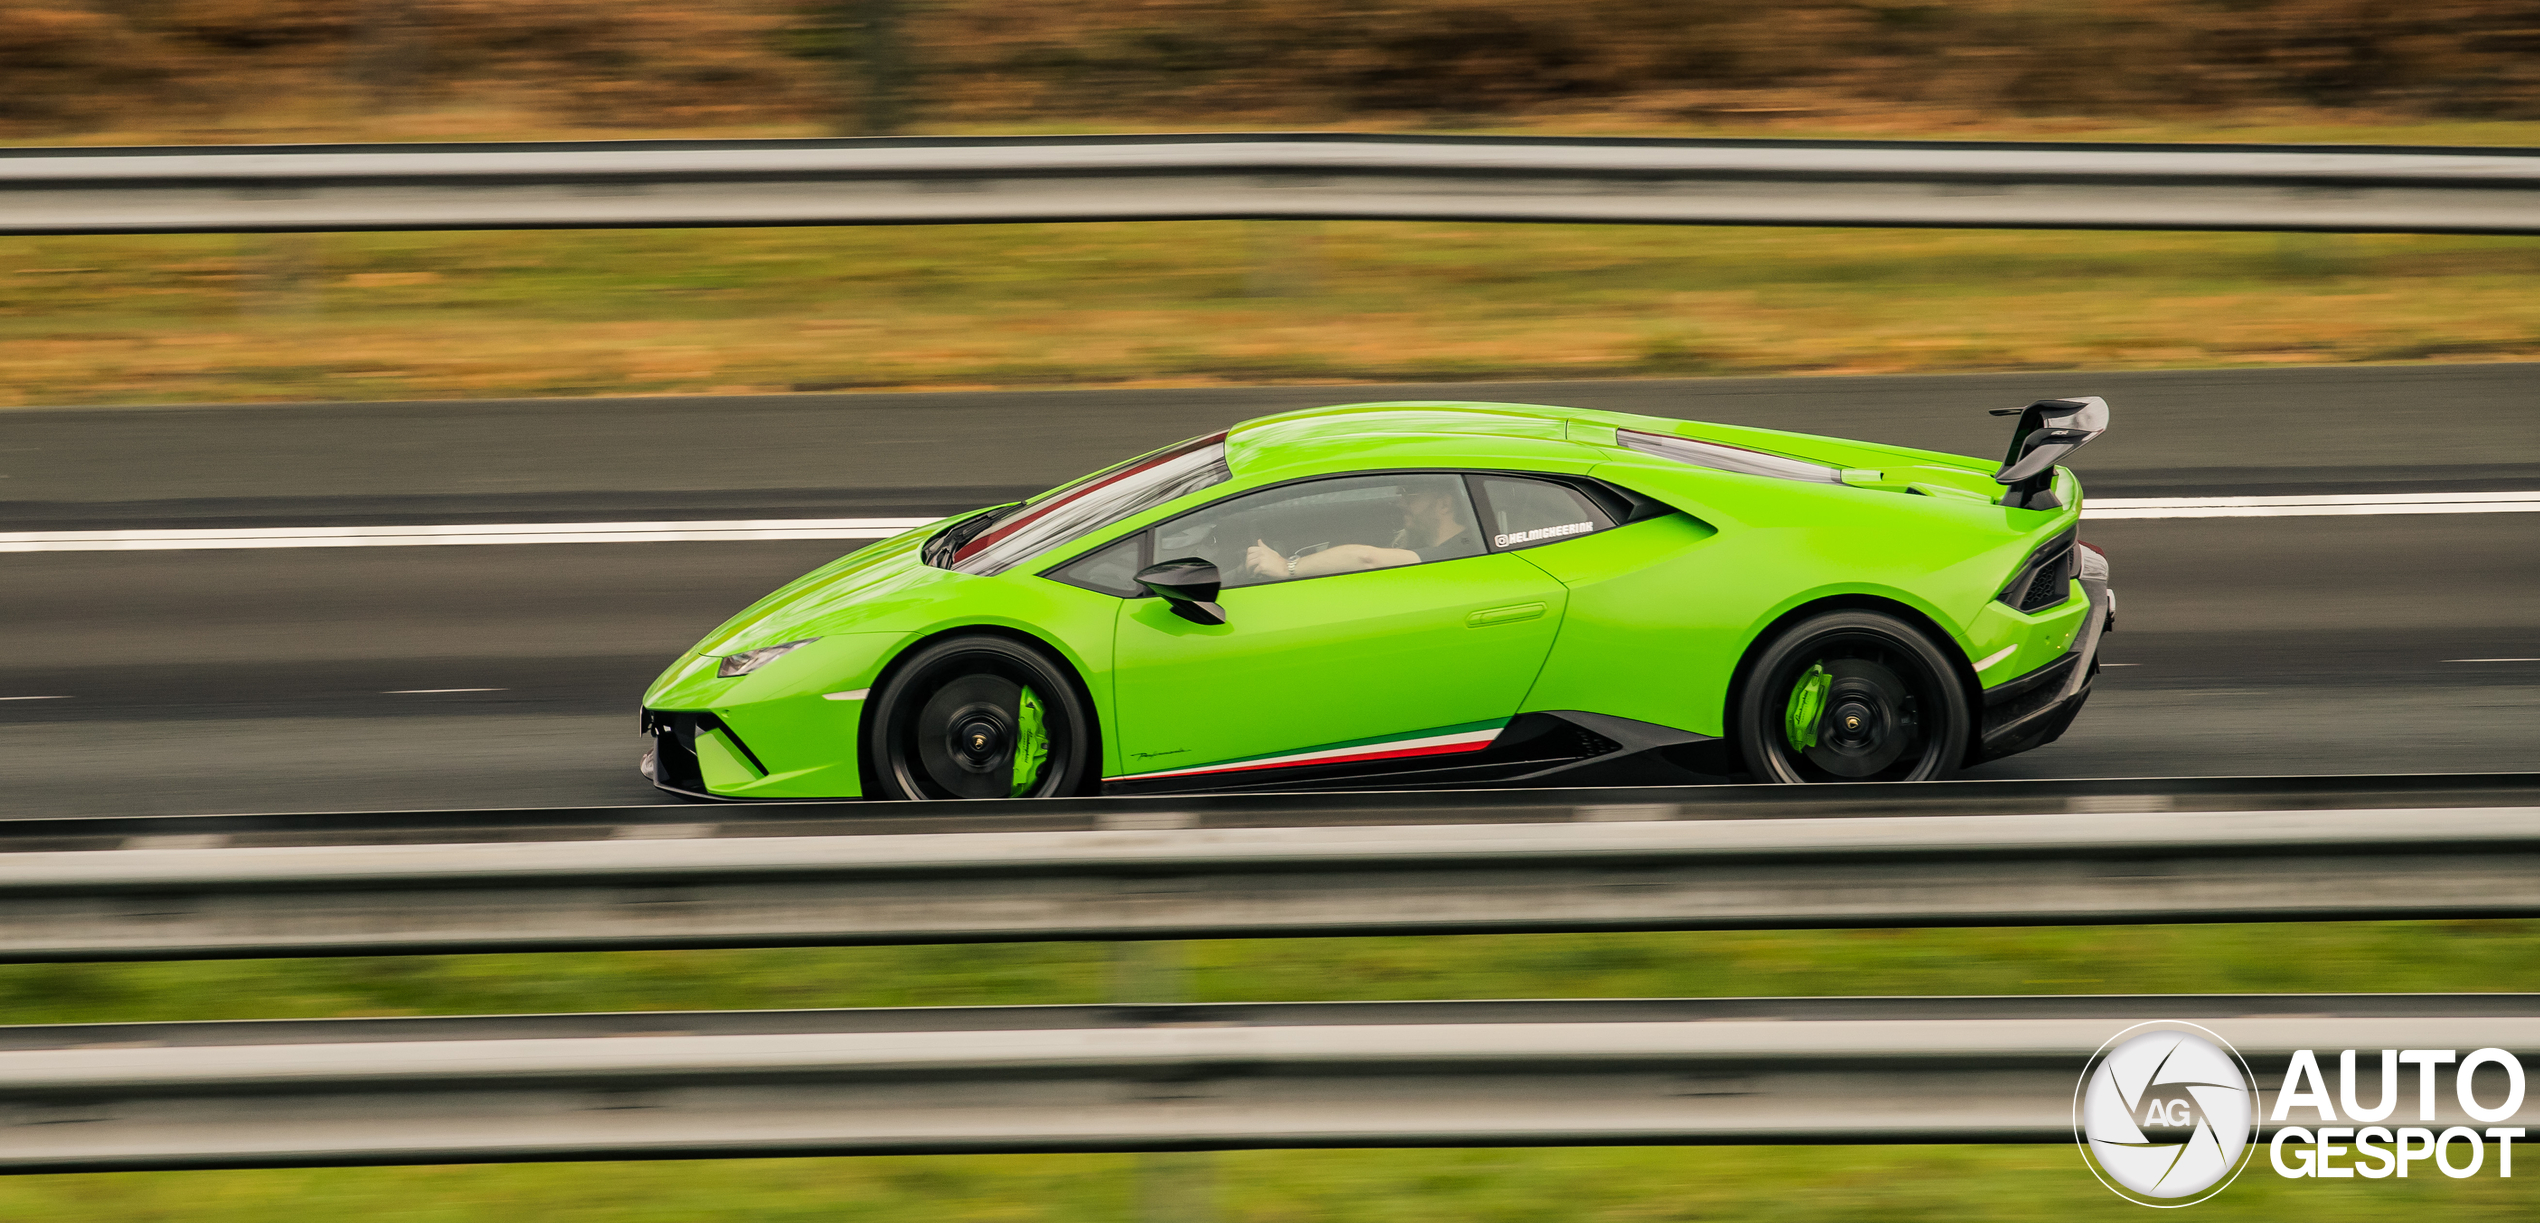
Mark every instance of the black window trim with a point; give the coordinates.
(1145, 539)
(1623, 506)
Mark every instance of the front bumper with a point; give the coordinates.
(2035, 709)
(786, 731)
(672, 764)
(691, 751)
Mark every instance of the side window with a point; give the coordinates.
(1113, 570)
(1523, 513)
(1324, 527)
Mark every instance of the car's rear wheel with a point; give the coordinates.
(979, 717)
(1852, 696)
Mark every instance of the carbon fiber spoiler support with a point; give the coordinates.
(2048, 430)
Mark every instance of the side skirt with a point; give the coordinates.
(1558, 747)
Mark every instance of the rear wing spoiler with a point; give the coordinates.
(2048, 430)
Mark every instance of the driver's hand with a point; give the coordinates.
(1265, 560)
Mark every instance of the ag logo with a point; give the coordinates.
(2164, 1114)
(2168, 1113)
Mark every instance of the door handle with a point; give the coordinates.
(1504, 615)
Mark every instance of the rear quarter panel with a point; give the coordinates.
(1662, 611)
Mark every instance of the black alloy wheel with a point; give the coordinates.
(978, 717)
(1852, 696)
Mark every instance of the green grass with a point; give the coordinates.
(1589, 1185)
(1618, 1185)
(2470, 956)
(473, 315)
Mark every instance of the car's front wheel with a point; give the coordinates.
(979, 717)
(1852, 696)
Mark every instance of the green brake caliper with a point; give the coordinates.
(1807, 702)
(1031, 745)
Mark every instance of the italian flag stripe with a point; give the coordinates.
(1423, 743)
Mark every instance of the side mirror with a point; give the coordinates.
(1188, 585)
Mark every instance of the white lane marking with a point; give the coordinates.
(34, 698)
(2007, 651)
(2446, 660)
(2311, 506)
(857, 695)
(464, 533)
(193, 539)
(430, 691)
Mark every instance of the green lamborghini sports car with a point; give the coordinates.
(1421, 595)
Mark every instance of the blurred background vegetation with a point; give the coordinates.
(477, 315)
(193, 70)
(227, 318)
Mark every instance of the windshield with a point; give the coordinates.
(1098, 500)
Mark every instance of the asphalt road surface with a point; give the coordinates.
(375, 678)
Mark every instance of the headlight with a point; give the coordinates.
(751, 660)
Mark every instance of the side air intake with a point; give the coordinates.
(2047, 578)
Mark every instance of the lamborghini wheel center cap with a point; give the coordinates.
(978, 742)
(1855, 723)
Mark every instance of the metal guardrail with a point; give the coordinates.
(1629, 868)
(1290, 810)
(1765, 1070)
(1268, 175)
(1736, 1070)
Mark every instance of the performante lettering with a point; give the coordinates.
(1527, 537)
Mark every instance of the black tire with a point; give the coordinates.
(944, 725)
(1892, 707)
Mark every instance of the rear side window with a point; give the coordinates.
(1522, 513)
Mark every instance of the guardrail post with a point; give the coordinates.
(1166, 1186)
(1286, 258)
(286, 274)
(1177, 1187)
(384, 52)
(1156, 970)
(884, 58)
(2313, 256)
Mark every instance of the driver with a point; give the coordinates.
(1433, 528)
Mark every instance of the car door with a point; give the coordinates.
(1409, 636)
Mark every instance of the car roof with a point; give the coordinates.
(1417, 433)
(1545, 437)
